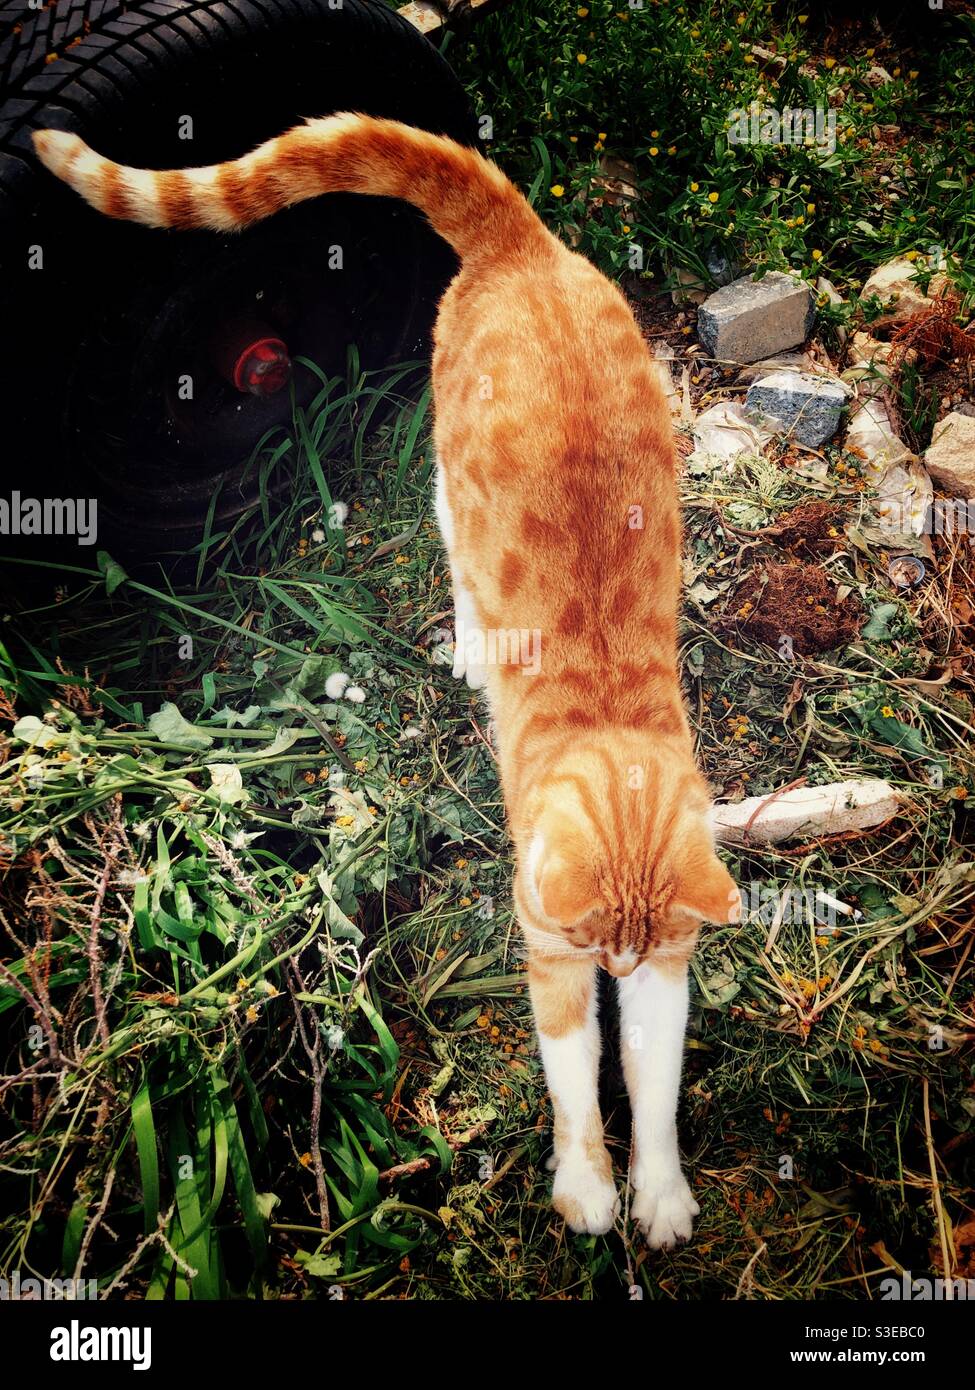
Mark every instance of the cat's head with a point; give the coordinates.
(616, 854)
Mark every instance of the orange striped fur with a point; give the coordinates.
(557, 497)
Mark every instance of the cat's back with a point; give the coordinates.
(542, 380)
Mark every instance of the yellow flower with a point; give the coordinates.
(829, 62)
(557, 190)
(601, 135)
(582, 12)
(913, 73)
(712, 197)
(802, 18)
(582, 58)
(910, 255)
(654, 134)
(887, 712)
(695, 187)
(344, 820)
(810, 208)
(867, 107)
(654, 150)
(672, 149)
(625, 227)
(817, 255)
(573, 139)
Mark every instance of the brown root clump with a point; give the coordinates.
(933, 335)
(814, 527)
(794, 609)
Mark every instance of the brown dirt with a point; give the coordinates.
(814, 528)
(794, 601)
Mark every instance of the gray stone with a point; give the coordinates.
(720, 267)
(807, 407)
(750, 319)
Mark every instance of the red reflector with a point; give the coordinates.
(263, 367)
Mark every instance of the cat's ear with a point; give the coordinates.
(561, 877)
(707, 890)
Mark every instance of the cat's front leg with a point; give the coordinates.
(653, 1020)
(563, 995)
(469, 638)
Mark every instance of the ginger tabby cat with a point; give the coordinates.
(556, 495)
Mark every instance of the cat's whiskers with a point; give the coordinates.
(552, 944)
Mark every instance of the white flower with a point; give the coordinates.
(337, 514)
(356, 694)
(129, 878)
(335, 685)
(240, 838)
(411, 731)
(318, 535)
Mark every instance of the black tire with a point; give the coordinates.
(94, 343)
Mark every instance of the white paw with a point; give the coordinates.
(475, 675)
(664, 1209)
(586, 1198)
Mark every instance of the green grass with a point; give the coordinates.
(655, 91)
(297, 1054)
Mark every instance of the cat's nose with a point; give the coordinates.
(620, 964)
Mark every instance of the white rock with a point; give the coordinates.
(895, 281)
(806, 812)
(951, 455)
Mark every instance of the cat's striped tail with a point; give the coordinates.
(468, 200)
